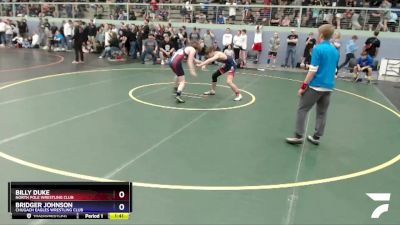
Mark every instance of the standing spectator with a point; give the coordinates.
(364, 64)
(372, 45)
(146, 29)
(79, 38)
(351, 48)
(317, 87)
(2, 33)
(227, 38)
(274, 43)
(257, 44)
(310, 43)
(232, 10)
(167, 49)
(92, 32)
(132, 39)
(208, 38)
(292, 40)
(194, 36)
(243, 50)
(68, 33)
(35, 40)
(23, 28)
(237, 44)
(336, 40)
(9, 33)
(150, 46)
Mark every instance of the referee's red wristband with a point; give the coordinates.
(304, 86)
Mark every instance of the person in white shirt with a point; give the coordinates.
(243, 51)
(35, 40)
(2, 33)
(237, 44)
(68, 33)
(9, 33)
(257, 44)
(232, 10)
(227, 38)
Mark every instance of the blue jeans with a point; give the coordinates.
(151, 52)
(290, 51)
(3, 38)
(134, 49)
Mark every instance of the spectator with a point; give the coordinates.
(167, 49)
(292, 40)
(150, 46)
(232, 10)
(163, 15)
(385, 14)
(68, 33)
(274, 43)
(243, 50)
(364, 64)
(194, 36)
(220, 19)
(229, 51)
(340, 12)
(392, 23)
(113, 45)
(153, 8)
(227, 38)
(336, 40)
(23, 28)
(132, 39)
(9, 33)
(257, 43)
(58, 41)
(351, 48)
(285, 22)
(246, 10)
(92, 32)
(35, 40)
(237, 44)
(208, 38)
(372, 45)
(310, 43)
(215, 46)
(79, 38)
(2, 33)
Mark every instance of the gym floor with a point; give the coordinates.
(208, 161)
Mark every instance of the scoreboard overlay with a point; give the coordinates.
(70, 200)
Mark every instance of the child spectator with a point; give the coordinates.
(351, 48)
(274, 43)
(310, 43)
(364, 64)
(257, 44)
(229, 51)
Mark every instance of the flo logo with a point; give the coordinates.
(379, 197)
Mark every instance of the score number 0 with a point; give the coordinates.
(121, 195)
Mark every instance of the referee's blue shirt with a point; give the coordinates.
(325, 56)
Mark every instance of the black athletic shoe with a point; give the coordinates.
(313, 139)
(179, 99)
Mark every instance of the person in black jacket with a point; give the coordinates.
(79, 38)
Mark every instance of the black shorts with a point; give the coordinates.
(272, 53)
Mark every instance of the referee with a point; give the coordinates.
(317, 87)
